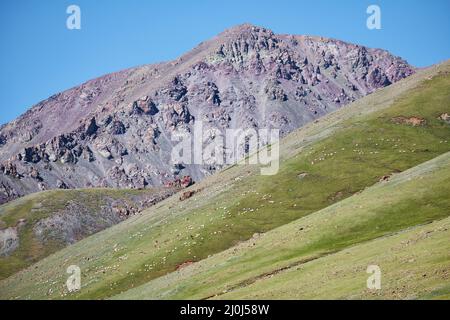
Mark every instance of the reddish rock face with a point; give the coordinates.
(115, 131)
(184, 182)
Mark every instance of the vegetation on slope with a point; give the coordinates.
(414, 265)
(326, 254)
(48, 221)
(322, 164)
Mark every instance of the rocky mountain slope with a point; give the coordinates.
(322, 207)
(115, 131)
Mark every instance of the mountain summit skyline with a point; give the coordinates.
(44, 57)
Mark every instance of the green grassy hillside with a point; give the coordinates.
(64, 217)
(325, 254)
(337, 157)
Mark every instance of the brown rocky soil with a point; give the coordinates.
(412, 121)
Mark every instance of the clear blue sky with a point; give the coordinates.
(39, 56)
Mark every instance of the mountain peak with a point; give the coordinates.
(114, 131)
(245, 29)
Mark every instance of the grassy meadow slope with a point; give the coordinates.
(48, 221)
(321, 164)
(325, 254)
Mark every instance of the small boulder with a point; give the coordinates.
(105, 153)
(186, 195)
(61, 184)
(302, 175)
(445, 117)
